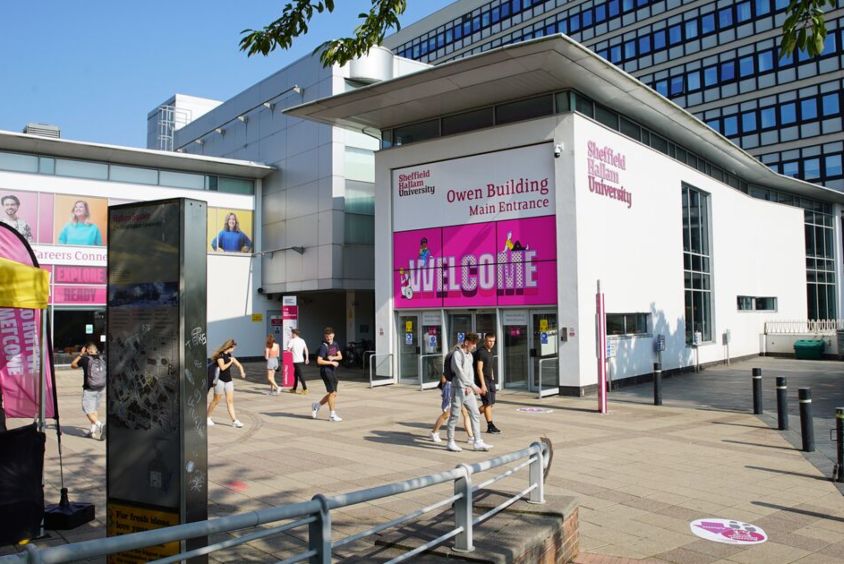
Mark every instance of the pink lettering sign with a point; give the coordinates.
(509, 262)
(87, 295)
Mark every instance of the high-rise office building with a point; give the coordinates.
(718, 59)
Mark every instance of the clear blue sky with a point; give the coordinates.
(97, 67)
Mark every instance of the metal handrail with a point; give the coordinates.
(372, 383)
(316, 514)
(421, 375)
(541, 392)
(366, 358)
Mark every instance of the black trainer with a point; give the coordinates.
(492, 429)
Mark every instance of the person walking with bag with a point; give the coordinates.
(225, 359)
(463, 393)
(299, 349)
(93, 386)
(271, 353)
(447, 387)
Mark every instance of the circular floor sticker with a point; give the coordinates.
(534, 410)
(728, 531)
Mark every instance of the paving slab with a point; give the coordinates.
(640, 473)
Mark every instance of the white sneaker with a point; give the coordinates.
(97, 431)
(314, 409)
(436, 437)
(481, 445)
(470, 440)
(452, 446)
(334, 417)
(210, 423)
(237, 424)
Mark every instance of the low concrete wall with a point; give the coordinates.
(779, 344)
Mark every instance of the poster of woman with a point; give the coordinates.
(78, 220)
(233, 236)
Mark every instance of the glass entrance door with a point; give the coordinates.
(431, 359)
(459, 324)
(544, 352)
(516, 348)
(409, 349)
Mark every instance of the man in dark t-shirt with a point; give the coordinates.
(485, 380)
(328, 359)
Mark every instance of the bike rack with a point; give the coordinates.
(390, 380)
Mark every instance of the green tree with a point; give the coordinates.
(383, 16)
(804, 29)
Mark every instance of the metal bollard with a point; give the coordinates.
(782, 403)
(839, 445)
(807, 431)
(657, 384)
(757, 391)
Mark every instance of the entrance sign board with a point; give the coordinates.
(156, 455)
(476, 231)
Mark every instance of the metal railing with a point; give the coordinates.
(384, 381)
(422, 383)
(367, 356)
(316, 514)
(550, 391)
(821, 326)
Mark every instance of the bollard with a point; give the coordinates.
(657, 384)
(757, 391)
(839, 445)
(807, 431)
(782, 403)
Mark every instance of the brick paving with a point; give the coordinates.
(640, 473)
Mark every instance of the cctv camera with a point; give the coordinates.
(260, 290)
(558, 150)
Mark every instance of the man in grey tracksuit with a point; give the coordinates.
(463, 392)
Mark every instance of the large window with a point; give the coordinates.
(627, 324)
(697, 264)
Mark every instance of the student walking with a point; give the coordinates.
(463, 393)
(445, 405)
(225, 359)
(299, 349)
(485, 379)
(271, 352)
(93, 386)
(328, 359)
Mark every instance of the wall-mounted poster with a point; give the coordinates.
(80, 220)
(230, 230)
(20, 212)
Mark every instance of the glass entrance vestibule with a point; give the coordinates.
(525, 353)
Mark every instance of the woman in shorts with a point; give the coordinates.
(225, 359)
(271, 352)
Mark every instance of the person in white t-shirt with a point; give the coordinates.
(299, 348)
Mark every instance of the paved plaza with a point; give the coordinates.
(641, 473)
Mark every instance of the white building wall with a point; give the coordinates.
(757, 249)
(232, 280)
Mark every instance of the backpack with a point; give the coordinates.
(448, 371)
(213, 373)
(96, 373)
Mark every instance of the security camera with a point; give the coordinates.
(558, 150)
(260, 290)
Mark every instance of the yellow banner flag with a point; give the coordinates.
(23, 286)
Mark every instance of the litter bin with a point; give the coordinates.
(809, 349)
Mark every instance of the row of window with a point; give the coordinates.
(752, 303)
(653, 39)
(823, 164)
(34, 164)
(731, 67)
(493, 17)
(696, 260)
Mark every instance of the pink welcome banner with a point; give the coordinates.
(20, 344)
(497, 263)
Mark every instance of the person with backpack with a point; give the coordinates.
(463, 393)
(93, 386)
(445, 405)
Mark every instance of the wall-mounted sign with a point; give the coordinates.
(408, 338)
(509, 317)
(257, 317)
(431, 318)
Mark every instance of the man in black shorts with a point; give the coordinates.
(328, 359)
(485, 380)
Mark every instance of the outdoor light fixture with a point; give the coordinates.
(297, 89)
(220, 130)
(300, 250)
(269, 105)
(199, 141)
(243, 119)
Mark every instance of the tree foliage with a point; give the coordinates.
(804, 29)
(294, 20)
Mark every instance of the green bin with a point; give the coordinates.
(809, 349)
